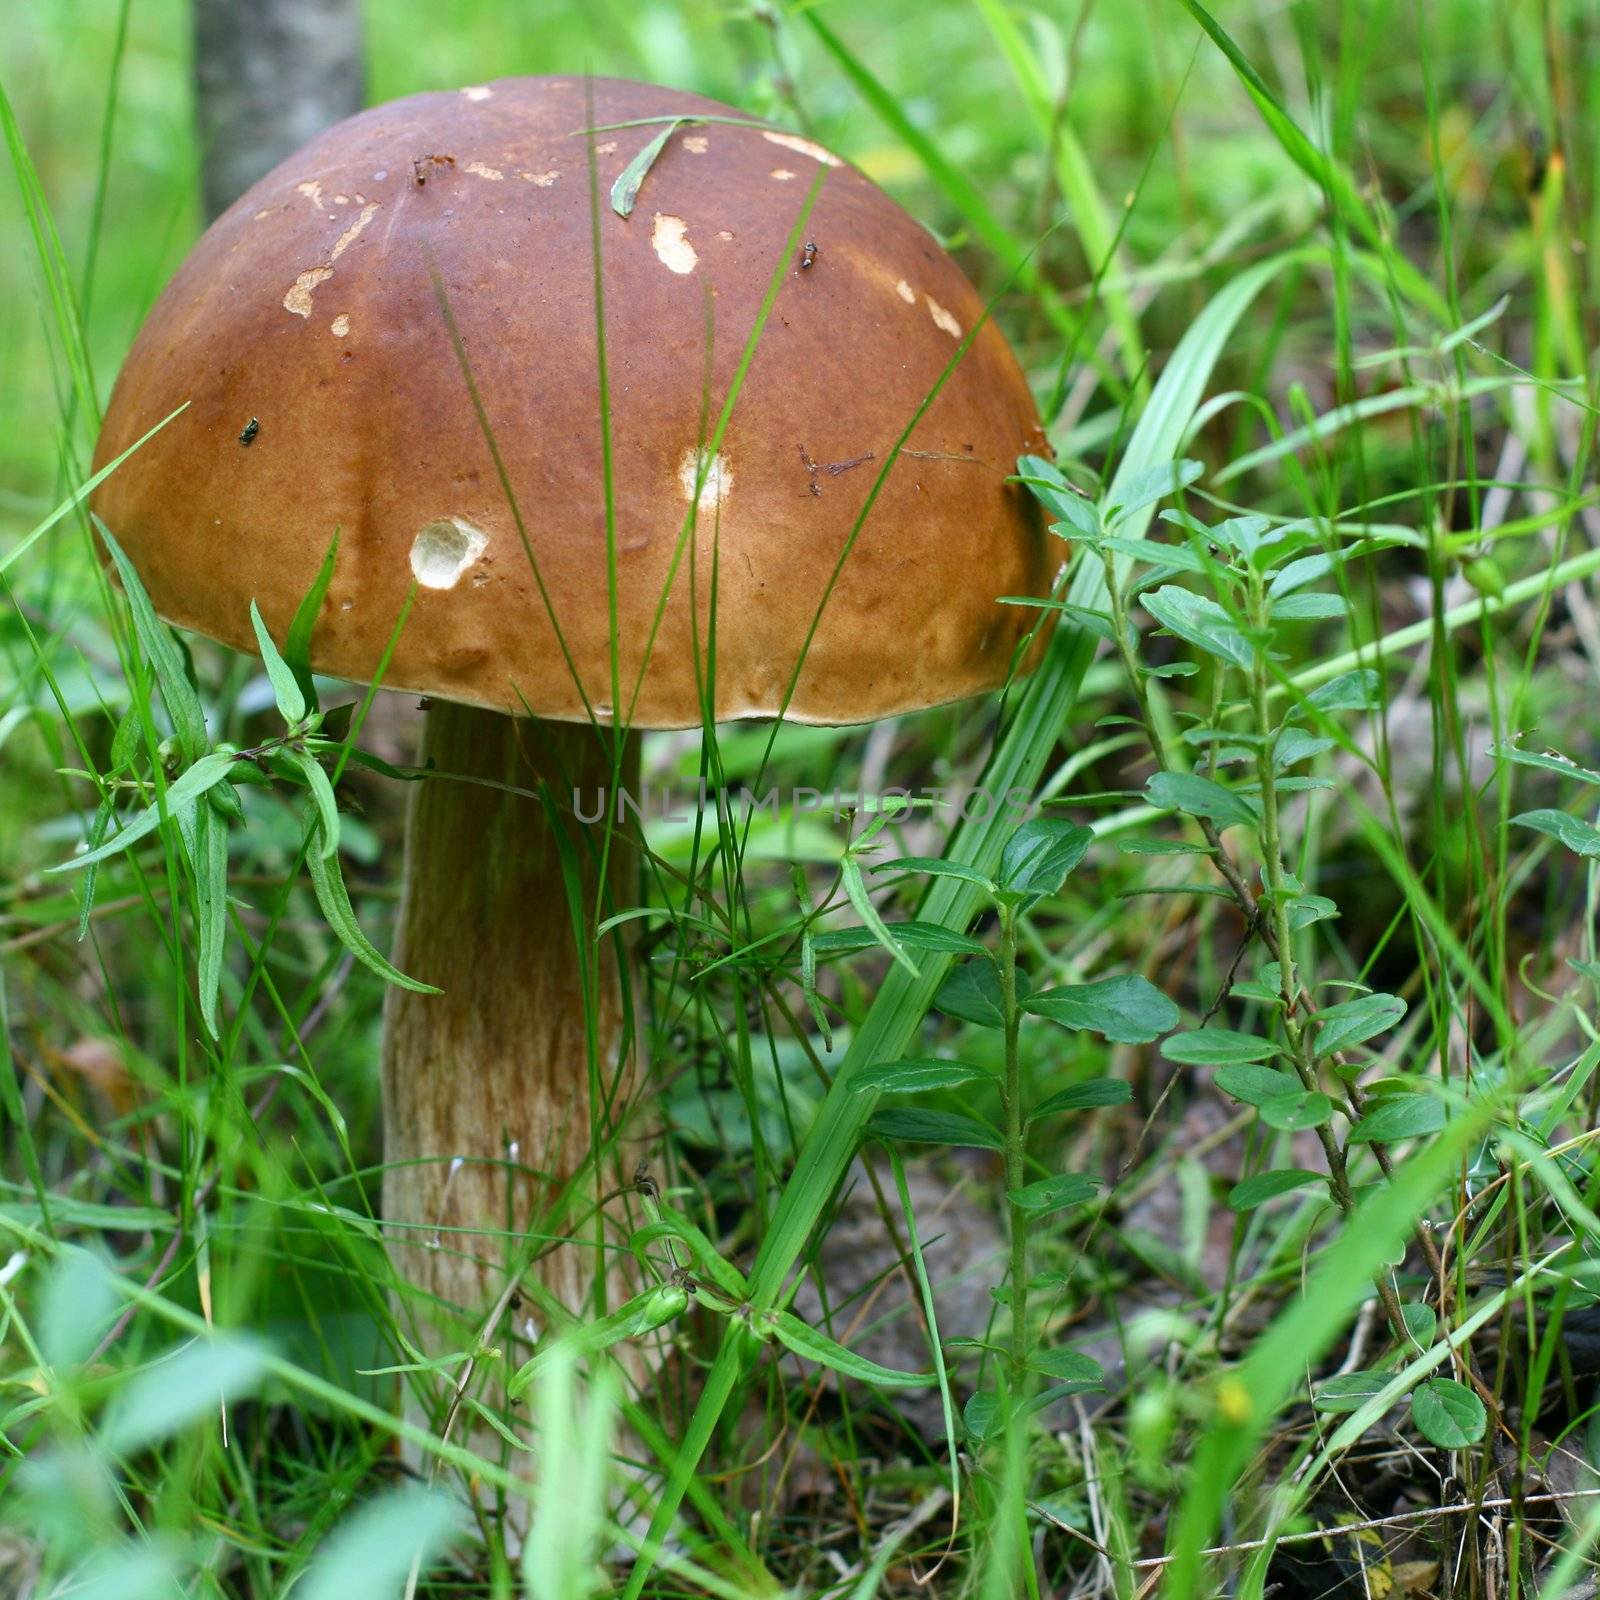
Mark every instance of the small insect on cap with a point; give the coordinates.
(325, 389)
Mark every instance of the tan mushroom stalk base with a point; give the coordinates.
(493, 1100)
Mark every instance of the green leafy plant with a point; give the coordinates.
(187, 781)
(1251, 581)
(990, 989)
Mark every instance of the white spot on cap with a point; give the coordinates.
(312, 191)
(348, 237)
(340, 325)
(695, 144)
(942, 318)
(493, 174)
(725, 236)
(606, 149)
(298, 299)
(443, 550)
(718, 482)
(543, 179)
(906, 292)
(782, 174)
(477, 91)
(805, 147)
(669, 241)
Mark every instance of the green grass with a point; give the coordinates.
(1340, 256)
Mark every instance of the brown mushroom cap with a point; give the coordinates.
(310, 307)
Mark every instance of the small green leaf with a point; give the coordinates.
(1084, 1096)
(374, 1550)
(972, 994)
(170, 1394)
(1298, 573)
(1067, 1366)
(917, 1076)
(285, 686)
(1040, 854)
(709, 1262)
(205, 774)
(1255, 1085)
(1247, 535)
(120, 1569)
(1301, 607)
(297, 645)
(980, 1416)
(1049, 1195)
(1151, 485)
(1162, 847)
(625, 191)
(322, 794)
(1422, 1321)
(1301, 1108)
(1355, 1021)
(1348, 1391)
(1202, 622)
(643, 1313)
(97, 834)
(1295, 745)
(1399, 1116)
(1057, 496)
(210, 865)
(1264, 1186)
(1127, 1010)
(328, 881)
(813, 1345)
(1546, 761)
(913, 935)
(1216, 1047)
(1350, 691)
(933, 1127)
(855, 887)
(166, 656)
(80, 1302)
(1305, 909)
(1201, 797)
(1576, 834)
(1152, 552)
(1095, 622)
(933, 867)
(1448, 1414)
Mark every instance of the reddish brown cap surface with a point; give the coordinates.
(306, 320)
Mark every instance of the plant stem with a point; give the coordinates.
(1295, 1031)
(1125, 637)
(1011, 1093)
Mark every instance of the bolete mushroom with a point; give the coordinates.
(814, 561)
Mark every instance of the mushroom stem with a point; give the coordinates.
(505, 1096)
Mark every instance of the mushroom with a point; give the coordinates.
(795, 565)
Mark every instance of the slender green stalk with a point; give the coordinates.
(1015, 1155)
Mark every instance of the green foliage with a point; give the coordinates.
(1291, 976)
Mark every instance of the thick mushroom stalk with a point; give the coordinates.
(506, 1096)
